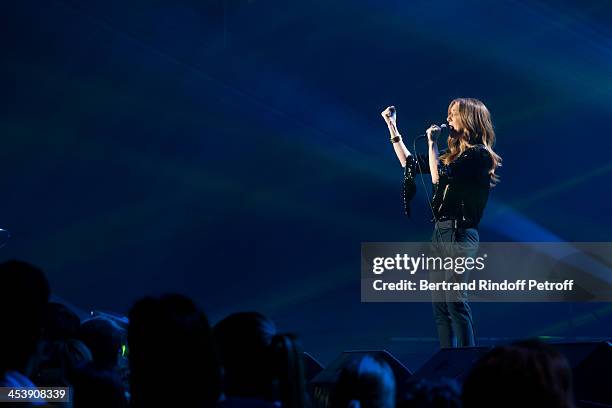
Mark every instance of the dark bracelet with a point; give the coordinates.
(396, 139)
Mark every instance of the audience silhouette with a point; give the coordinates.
(526, 373)
(173, 358)
(365, 382)
(171, 354)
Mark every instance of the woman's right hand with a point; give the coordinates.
(390, 116)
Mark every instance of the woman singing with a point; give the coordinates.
(462, 176)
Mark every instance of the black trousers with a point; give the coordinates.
(451, 310)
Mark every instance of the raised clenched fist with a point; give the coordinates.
(389, 115)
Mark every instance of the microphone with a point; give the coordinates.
(444, 131)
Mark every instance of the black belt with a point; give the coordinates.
(454, 224)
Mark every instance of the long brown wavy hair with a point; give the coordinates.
(478, 129)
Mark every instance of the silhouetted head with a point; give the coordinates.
(365, 382)
(258, 362)
(288, 361)
(243, 341)
(171, 348)
(104, 339)
(527, 373)
(24, 295)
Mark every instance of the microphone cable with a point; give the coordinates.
(427, 194)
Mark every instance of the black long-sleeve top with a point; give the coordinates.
(463, 188)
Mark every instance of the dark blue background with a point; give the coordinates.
(233, 150)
